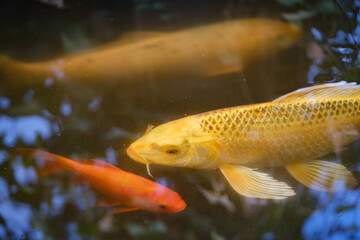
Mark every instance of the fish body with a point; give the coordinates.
(209, 50)
(117, 186)
(292, 131)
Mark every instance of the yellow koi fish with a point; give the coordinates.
(292, 131)
(209, 50)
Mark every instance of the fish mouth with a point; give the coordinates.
(180, 206)
(132, 154)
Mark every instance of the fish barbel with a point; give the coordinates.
(122, 190)
(204, 51)
(294, 131)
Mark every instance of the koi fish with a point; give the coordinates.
(293, 131)
(117, 186)
(210, 50)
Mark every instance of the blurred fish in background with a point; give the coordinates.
(56, 3)
(212, 50)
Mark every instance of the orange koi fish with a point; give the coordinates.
(118, 187)
(294, 131)
(210, 50)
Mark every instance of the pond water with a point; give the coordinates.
(99, 119)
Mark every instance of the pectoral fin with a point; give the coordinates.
(117, 204)
(78, 179)
(108, 202)
(250, 183)
(224, 70)
(130, 37)
(122, 210)
(322, 175)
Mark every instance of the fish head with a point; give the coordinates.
(264, 37)
(162, 199)
(282, 35)
(180, 143)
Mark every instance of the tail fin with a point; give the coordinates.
(9, 71)
(48, 163)
(15, 73)
(5, 64)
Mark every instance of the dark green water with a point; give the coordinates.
(82, 121)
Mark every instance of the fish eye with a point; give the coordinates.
(280, 39)
(162, 205)
(172, 150)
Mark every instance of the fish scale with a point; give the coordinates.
(273, 134)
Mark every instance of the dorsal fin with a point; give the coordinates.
(140, 35)
(125, 38)
(334, 90)
(100, 163)
(128, 38)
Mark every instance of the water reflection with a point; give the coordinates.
(218, 195)
(26, 129)
(17, 217)
(4, 102)
(336, 217)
